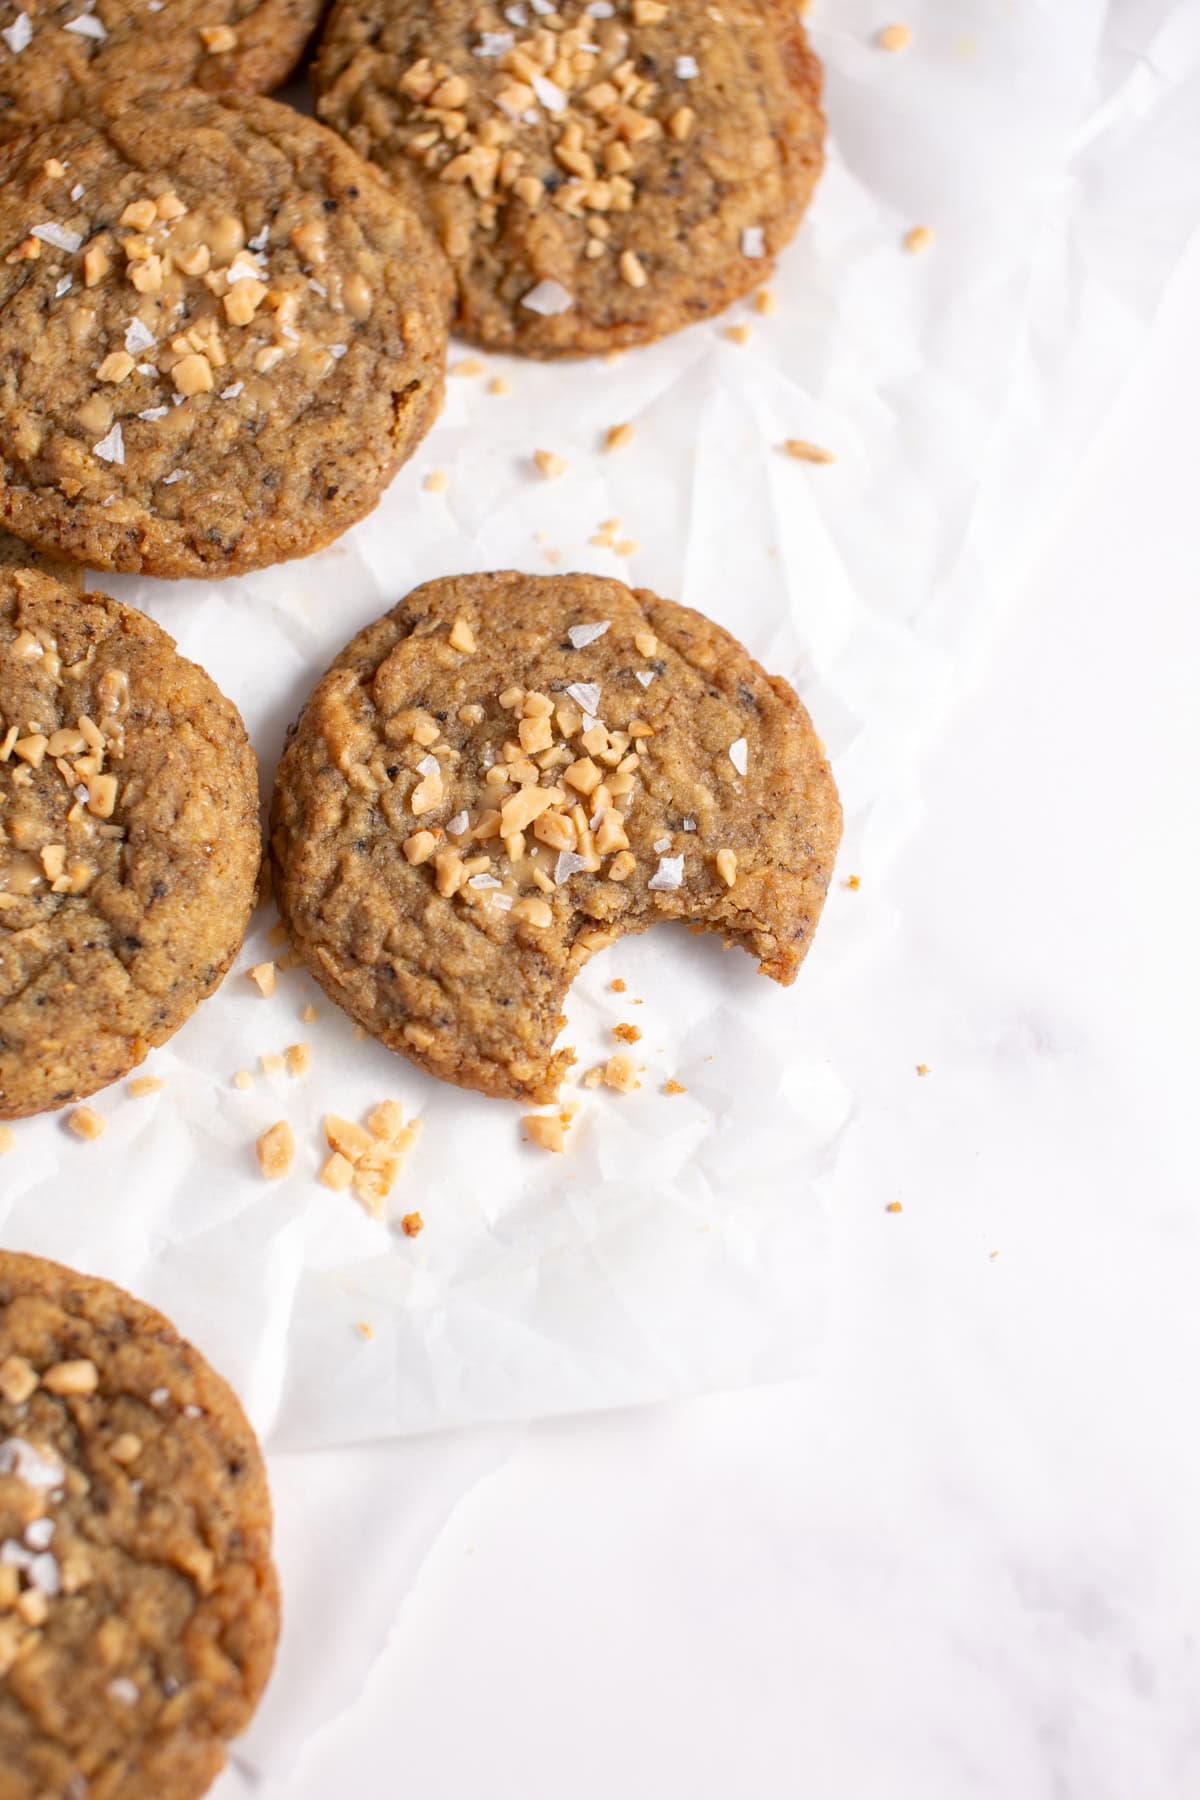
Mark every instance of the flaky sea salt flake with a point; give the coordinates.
(686, 68)
(58, 237)
(63, 287)
(586, 695)
(738, 755)
(19, 34)
(232, 391)
(549, 94)
(457, 825)
(645, 676)
(661, 844)
(154, 412)
(87, 25)
(31, 1466)
(483, 881)
(583, 635)
(138, 338)
(568, 864)
(548, 298)
(753, 242)
(668, 876)
(111, 448)
(494, 43)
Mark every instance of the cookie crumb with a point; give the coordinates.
(338, 1172)
(765, 303)
(617, 436)
(894, 1206)
(673, 1087)
(298, 1058)
(922, 1068)
(145, 1085)
(618, 986)
(628, 1034)
(412, 1224)
(436, 482)
(619, 1074)
(263, 977)
(469, 366)
(243, 1079)
(802, 451)
(276, 1149)
(498, 386)
(546, 1130)
(894, 38)
(550, 465)
(86, 1123)
(271, 1063)
(627, 547)
(365, 1330)
(853, 882)
(738, 334)
(918, 239)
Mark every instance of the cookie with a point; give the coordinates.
(507, 773)
(598, 174)
(16, 555)
(59, 60)
(138, 1603)
(129, 840)
(220, 336)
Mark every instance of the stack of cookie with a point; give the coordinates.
(224, 328)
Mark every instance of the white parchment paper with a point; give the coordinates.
(678, 1246)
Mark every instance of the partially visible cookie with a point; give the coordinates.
(220, 335)
(507, 773)
(139, 1607)
(17, 555)
(129, 840)
(58, 59)
(598, 174)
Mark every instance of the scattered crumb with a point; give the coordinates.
(436, 482)
(922, 1068)
(738, 334)
(385, 1120)
(617, 986)
(498, 385)
(412, 1224)
(802, 451)
(992, 1255)
(894, 1206)
(918, 239)
(470, 365)
(853, 882)
(243, 1079)
(86, 1123)
(619, 1074)
(674, 1087)
(546, 1130)
(594, 1077)
(550, 465)
(365, 1330)
(309, 1015)
(628, 1034)
(628, 547)
(8, 1138)
(369, 1159)
(271, 1063)
(298, 1058)
(553, 557)
(894, 38)
(263, 977)
(338, 1172)
(145, 1085)
(276, 1148)
(617, 436)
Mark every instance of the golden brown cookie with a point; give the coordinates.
(129, 840)
(508, 772)
(138, 1603)
(59, 59)
(220, 336)
(16, 555)
(598, 174)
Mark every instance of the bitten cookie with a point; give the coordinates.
(507, 773)
(138, 1603)
(220, 335)
(129, 840)
(598, 174)
(60, 59)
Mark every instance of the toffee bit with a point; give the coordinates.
(727, 866)
(499, 386)
(412, 1224)
(628, 1034)
(462, 638)
(674, 1087)
(918, 239)
(550, 464)
(618, 436)
(894, 38)
(436, 482)
(298, 1058)
(86, 1123)
(922, 1068)
(243, 1079)
(802, 451)
(470, 366)
(738, 334)
(79, 1376)
(853, 882)
(620, 1074)
(765, 303)
(263, 977)
(893, 1206)
(276, 1150)
(546, 1130)
(145, 1085)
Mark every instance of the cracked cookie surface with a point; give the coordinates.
(138, 1602)
(58, 57)
(508, 772)
(129, 840)
(598, 174)
(222, 334)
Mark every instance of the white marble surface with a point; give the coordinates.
(962, 1558)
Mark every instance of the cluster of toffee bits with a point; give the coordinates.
(31, 863)
(203, 297)
(552, 805)
(34, 1570)
(369, 1157)
(582, 84)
